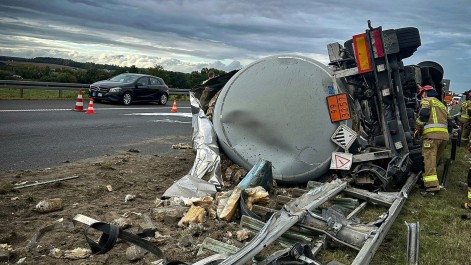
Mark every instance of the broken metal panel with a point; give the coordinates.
(259, 175)
(369, 196)
(216, 247)
(413, 236)
(207, 160)
(278, 132)
(189, 187)
(284, 219)
(205, 143)
(290, 237)
(211, 259)
(357, 211)
(371, 245)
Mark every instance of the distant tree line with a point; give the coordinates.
(87, 73)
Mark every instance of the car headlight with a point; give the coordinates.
(115, 89)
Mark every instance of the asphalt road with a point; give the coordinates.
(46, 133)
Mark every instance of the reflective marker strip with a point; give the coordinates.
(377, 45)
(362, 53)
(430, 178)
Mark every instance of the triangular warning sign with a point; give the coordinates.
(342, 161)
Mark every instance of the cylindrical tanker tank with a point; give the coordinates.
(275, 109)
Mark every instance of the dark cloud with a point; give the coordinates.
(186, 35)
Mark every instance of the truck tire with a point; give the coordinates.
(435, 69)
(349, 47)
(432, 74)
(409, 40)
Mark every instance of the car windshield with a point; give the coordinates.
(124, 78)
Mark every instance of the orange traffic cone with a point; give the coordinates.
(174, 107)
(79, 103)
(90, 109)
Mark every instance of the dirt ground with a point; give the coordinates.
(128, 173)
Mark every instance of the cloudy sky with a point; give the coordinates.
(187, 35)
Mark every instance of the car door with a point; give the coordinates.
(142, 90)
(155, 87)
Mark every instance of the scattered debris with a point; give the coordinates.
(129, 197)
(15, 198)
(21, 260)
(49, 205)
(109, 188)
(5, 252)
(134, 253)
(256, 195)
(77, 253)
(242, 234)
(195, 214)
(227, 204)
(44, 182)
(132, 150)
(181, 146)
(121, 222)
(56, 253)
(169, 215)
(58, 224)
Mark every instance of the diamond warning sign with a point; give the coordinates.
(341, 161)
(344, 136)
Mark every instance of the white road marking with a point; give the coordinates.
(186, 115)
(171, 121)
(100, 109)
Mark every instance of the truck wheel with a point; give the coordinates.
(435, 70)
(349, 47)
(409, 41)
(127, 98)
(432, 74)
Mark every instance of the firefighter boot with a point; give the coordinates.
(467, 205)
(431, 183)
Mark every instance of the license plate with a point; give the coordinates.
(99, 94)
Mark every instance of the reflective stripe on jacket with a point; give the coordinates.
(437, 125)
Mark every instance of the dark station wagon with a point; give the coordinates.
(128, 88)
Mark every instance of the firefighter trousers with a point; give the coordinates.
(466, 129)
(432, 150)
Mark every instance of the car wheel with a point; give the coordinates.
(163, 99)
(127, 98)
(97, 100)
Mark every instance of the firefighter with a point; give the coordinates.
(433, 124)
(465, 120)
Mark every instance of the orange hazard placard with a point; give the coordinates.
(338, 107)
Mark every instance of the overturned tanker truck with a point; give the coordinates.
(287, 109)
(353, 119)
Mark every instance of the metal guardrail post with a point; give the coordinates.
(413, 235)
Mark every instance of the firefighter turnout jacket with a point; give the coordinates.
(433, 123)
(433, 119)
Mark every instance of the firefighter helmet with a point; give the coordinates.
(423, 89)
